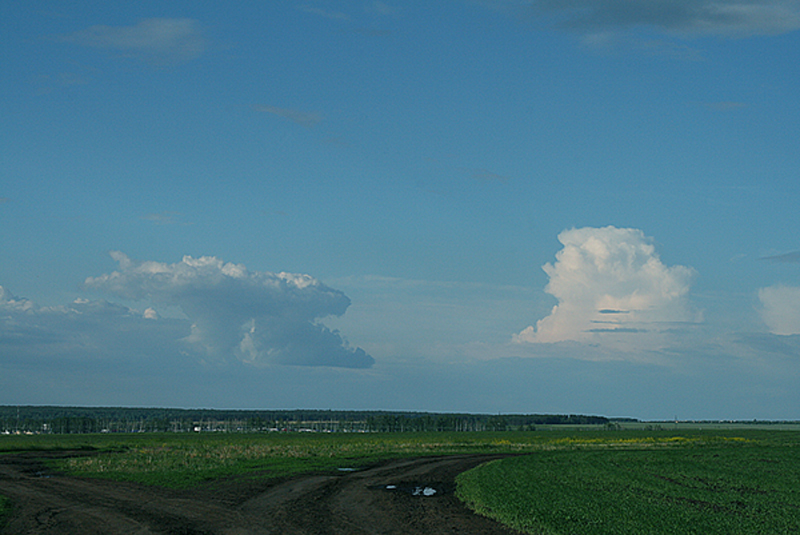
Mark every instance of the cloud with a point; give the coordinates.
(256, 317)
(158, 41)
(612, 288)
(730, 18)
(780, 309)
(307, 119)
(381, 8)
(786, 258)
(163, 218)
(334, 15)
(769, 345)
(82, 331)
(9, 301)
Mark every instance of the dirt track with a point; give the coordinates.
(356, 502)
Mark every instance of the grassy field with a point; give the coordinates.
(5, 509)
(575, 481)
(188, 459)
(699, 483)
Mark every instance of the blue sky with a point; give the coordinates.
(488, 206)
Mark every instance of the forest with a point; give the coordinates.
(78, 420)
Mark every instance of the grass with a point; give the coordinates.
(696, 484)
(568, 481)
(5, 509)
(185, 460)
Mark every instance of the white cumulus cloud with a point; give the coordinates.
(612, 288)
(257, 317)
(780, 309)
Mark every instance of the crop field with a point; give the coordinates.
(558, 481)
(688, 484)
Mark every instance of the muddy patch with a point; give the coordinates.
(424, 490)
(409, 496)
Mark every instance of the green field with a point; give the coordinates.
(560, 482)
(188, 459)
(703, 483)
(5, 509)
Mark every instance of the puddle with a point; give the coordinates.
(413, 490)
(426, 491)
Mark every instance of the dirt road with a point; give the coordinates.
(410, 496)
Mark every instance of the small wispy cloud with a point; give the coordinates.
(164, 218)
(616, 330)
(4, 200)
(334, 15)
(158, 41)
(786, 258)
(381, 8)
(732, 18)
(304, 118)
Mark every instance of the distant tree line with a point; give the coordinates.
(71, 420)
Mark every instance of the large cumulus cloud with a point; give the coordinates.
(780, 309)
(612, 288)
(256, 317)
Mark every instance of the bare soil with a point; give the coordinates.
(388, 499)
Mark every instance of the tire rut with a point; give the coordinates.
(374, 500)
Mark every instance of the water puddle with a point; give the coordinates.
(426, 491)
(413, 490)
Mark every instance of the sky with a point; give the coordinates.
(499, 206)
